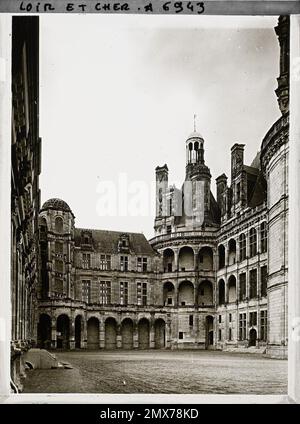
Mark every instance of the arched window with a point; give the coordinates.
(242, 241)
(263, 237)
(221, 296)
(221, 252)
(253, 242)
(231, 251)
(59, 225)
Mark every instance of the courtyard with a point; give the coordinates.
(161, 371)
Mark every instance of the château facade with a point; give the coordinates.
(214, 276)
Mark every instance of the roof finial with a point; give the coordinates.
(195, 116)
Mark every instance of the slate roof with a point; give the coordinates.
(106, 241)
(57, 204)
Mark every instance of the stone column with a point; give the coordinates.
(53, 333)
(101, 334)
(226, 254)
(168, 335)
(176, 260)
(152, 334)
(196, 289)
(83, 338)
(135, 335)
(72, 333)
(119, 336)
(195, 259)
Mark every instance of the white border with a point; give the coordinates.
(294, 254)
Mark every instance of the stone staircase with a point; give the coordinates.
(251, 349)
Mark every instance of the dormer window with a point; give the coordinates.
(123, 244)
(86, 238)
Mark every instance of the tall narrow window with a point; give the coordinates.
(263, 280)
(105, 262)
(253, 318)
(238, 192)
(59, 225)
(242, 326)
(263, 325)
(253, 284)
(242, 285)
(86, 291)
(142, 294)
(253, 242)
(242, 242)
(105, 292)
(139, 264)
(59, 248)
(124, 263)
(59, 266)
(263, 237)
(124, 293)
(86, 260)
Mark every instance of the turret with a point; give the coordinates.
(56, 225)
(282, 91)
(161, 173)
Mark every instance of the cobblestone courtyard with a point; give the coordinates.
(161, 372)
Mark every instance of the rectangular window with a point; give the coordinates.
(253, 242)
(252, 318)
(191, 320)
(230, 317)
(142, 294)
(180, 335)
(86, 260)
(253, 284)
(242, 284)
(124, 263)
(59, 286)
(263, 325)
(230, 334)
(263, 280)
(263, 237)
(242, 326)
(86, 291)
(169, 229)
(105, 292)
(105, 262)
(59, 266)
(59, 248)
(124, 293)
(170, 206)
(142, 264)
(220, 318)
(238, 192)
(242, 241)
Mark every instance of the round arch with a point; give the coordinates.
(159, 333)
(127, 333)
(63, 331)
(186, 259)
(93, 333)
(110, 333)
(186, 293)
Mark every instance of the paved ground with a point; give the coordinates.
(161, 372)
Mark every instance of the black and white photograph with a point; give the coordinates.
(149, 204)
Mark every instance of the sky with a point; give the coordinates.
(118, 96)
